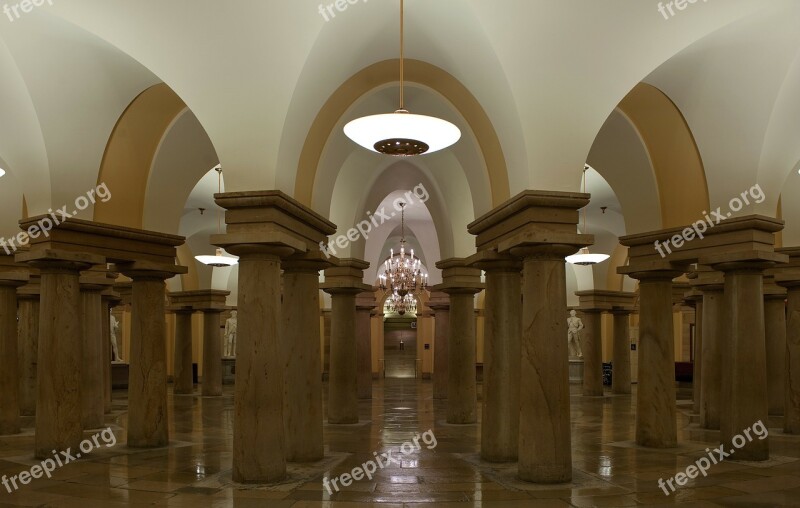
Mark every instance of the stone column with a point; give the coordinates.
(92, 284)
(656, 426)
(592, 347)
(343, 282)
(694, 299)
(621, 353)
(212, 353)
(147, 384)
(303, 416)
(10, 279)
(710, 285)
(263, 227)
(440, 304)
(775, 331)
(28, 331)
(365, 304)
(461, 283)
(501, 357)
(182, 367)
(110, 299)
(791, 413)
(744, 362)
(58, 395)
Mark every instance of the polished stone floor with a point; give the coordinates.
(194, 471)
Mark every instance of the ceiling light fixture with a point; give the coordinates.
(402, 134)
(2, 171)
(584, 257)
(217, 260)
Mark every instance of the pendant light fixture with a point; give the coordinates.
(584, 257)
(218, 260)
(403, 274)
(402, 134)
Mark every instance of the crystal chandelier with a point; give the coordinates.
(218, 260)
(401, 133)
(402, 304)
(402, 271)
(584, 257)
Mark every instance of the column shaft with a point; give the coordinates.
(58, 395)
(9, 361)
(744, 372)
(462, 396)
(92, 385)
(258, 439)
(501, 366)
(28, 349)
(343, 384)
(106, 354)
(544, 437)
(655, 401)
(621, 359)
(775, 328)
(303, 414)
(791, 415)
(212, 354)
(183, 380)
(147, 385)
(711, 382)
(697, 375)
(364, 352)
(592, 345)
(441, 358)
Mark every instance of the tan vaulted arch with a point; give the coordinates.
(383, 73)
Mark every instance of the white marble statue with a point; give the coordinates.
(573, 335)
(114, 333)
(230, 335)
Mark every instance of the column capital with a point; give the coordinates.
(309, 262)
(788, 275)
(203, 300)
(458, 277)
(12, 273)
(439, 301)
(95, 279)
(366, 301)
(346, 277)
(262, 219)
(605, 301)
(490, 260)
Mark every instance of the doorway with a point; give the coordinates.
(400, 347)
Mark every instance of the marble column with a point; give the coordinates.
(182, 366)
(303, 415)
(343, 283)
(58, 395)
(365, 304)
(775, 332)
(28, 332)
(791, 413)
(501, 364)
(461, 283)
(592, 347)
(92, 283)
(147, 384)
(212, 353)
(9, 359)
(621, 353)
(713, 339)
(440, 304)
(656, 425)
(744, 362)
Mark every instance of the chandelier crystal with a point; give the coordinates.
(402, 134)
(402, 304)
(402, 275)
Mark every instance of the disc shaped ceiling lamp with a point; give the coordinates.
(402, 134)
(218, 260)
(584, 257)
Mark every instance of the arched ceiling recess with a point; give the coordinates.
(351, 95)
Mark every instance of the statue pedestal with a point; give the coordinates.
(575, 371)
(119, 375)
(228, 370)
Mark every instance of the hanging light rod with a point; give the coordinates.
(584, 257)
(402, 134)
(218, 260)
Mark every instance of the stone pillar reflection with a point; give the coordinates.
(365, 304)
(775, 332)
(182, 365)
(303, 414)
(621, 353)
(656, 425)
(461, 283)
(28, 332)
(440, 304)
(592, 346)
(501, 358)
